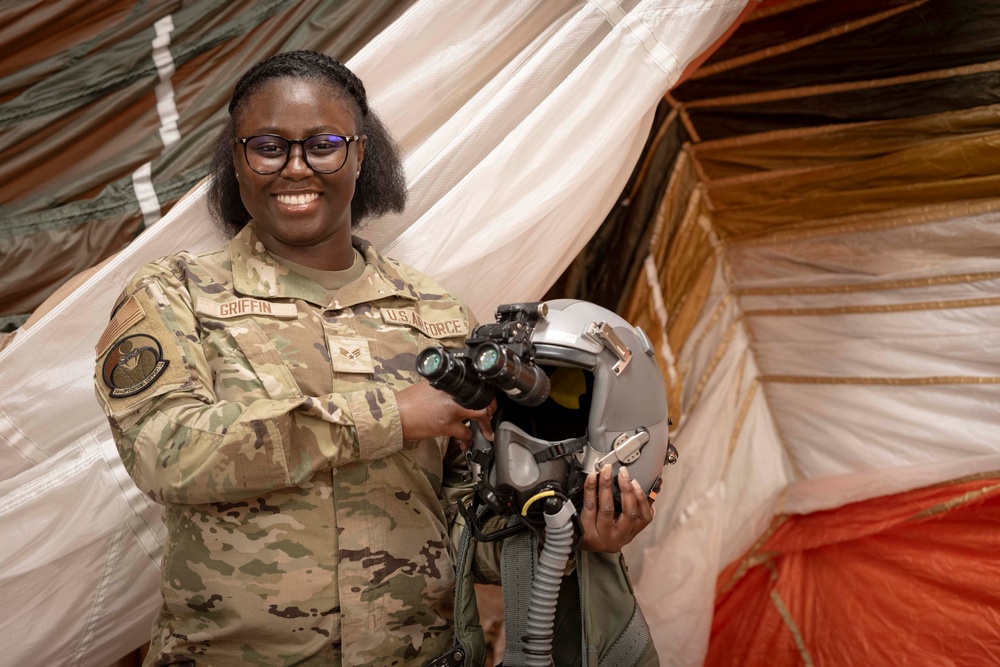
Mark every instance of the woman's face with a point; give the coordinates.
(297, 209)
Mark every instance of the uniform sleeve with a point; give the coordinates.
(456, 483)
(457, 487)
(182, 445)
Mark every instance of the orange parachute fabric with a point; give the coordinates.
(909, 579)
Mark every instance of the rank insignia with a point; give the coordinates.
(132, 365)
(351, 354)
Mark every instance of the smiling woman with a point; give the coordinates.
(291, 158)
(266, 395)
(301, 213)
(264, 368)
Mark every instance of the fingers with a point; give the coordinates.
(426, 412)
(643, 504)
(461, 432)
(636, 510)
(482, 417)
(602, 529)
(460, 420)
(630, 511)
(605, 503)
(485, 419)
(589, 513)
(598, 514)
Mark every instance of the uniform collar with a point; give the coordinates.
(256, 273)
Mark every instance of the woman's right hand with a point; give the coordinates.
(426, 412)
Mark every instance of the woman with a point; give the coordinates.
(265, 395)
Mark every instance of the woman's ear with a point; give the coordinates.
(236, 158)
(361, 154)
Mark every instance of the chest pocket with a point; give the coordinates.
(270, 369)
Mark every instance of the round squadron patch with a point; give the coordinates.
(133, 364)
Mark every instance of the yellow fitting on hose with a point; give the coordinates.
(543, 494)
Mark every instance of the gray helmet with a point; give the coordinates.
(607, 405)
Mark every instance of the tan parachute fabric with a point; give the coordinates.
(520, 123)
(823, 298)
(108, 110)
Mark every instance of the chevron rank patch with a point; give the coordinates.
(350, 354)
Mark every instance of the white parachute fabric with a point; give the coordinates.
(921, 300)
(79, 559)
(521, 170)
(520, 123)
(721, 494)
(870, 372)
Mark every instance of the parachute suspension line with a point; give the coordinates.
(145, 193)
(166, 105)
(166, 108)
(653, 280)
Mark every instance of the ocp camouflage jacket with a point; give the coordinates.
(258, 408)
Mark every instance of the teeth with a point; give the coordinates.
(296, 200)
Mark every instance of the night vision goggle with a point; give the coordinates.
(577, 389)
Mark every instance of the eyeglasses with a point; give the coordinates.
(323, 153)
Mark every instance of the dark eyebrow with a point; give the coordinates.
(311, 132)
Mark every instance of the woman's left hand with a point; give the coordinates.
(602, 531)
(426, 412)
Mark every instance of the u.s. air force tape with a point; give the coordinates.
(133, 364)
(435, 329)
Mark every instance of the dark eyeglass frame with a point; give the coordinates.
(302, 146)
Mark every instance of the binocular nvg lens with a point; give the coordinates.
(430, 362)
(486, 360)
(452, 374)
(524, 382)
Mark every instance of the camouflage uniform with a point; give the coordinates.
(258, 408)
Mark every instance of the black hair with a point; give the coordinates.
(380, 188)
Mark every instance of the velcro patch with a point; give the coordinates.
(237, 307)
(127, 316)
(438, 329)
(133, 365)
(350, 354)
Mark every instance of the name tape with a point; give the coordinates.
(237, 307)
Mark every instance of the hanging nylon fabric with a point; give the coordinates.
(828, 297)
(859, 585)
(520, 124)
(106, 123)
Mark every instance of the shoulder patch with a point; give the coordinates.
(127, 314)
(133, 365)
(435, 329)
(245, 306)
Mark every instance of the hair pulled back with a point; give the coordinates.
(380, 188)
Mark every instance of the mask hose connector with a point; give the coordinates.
(551, 567)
